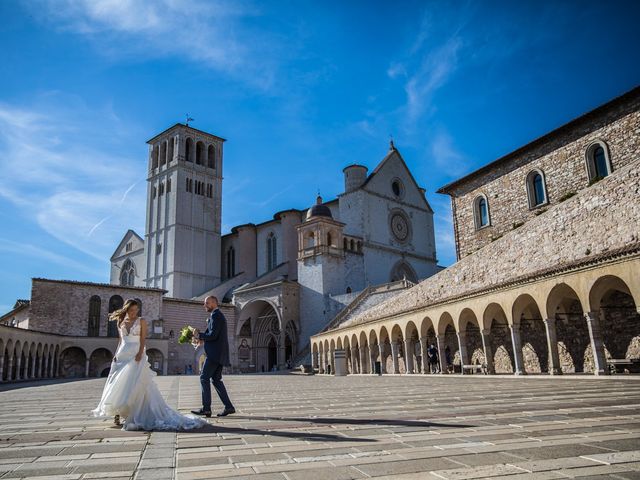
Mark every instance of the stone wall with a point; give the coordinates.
(602, 217)
(62, 307)
(178, 314)
(562, 159)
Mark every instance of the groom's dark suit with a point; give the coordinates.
(216, 347)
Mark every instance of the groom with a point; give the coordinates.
(216, 348)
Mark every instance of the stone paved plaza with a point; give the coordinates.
(319, 427)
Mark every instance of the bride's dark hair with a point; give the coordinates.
(122, 312)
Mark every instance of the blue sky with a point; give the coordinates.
(299, 89)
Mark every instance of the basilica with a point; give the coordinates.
(284, 278)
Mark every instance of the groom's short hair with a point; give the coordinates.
(211, 297)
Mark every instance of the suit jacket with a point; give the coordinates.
(216, 342)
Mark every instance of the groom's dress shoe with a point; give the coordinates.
(202, 411)
(226, 411)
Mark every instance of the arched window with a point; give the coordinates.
(94, 316)
(359, 246)
(168, 185)
(188, 150)
(481, 212)
(536, 189)
(310, 240)
(272, 259)
(115, 303)
(231, 262)
(344, 243)
(329, 239)
(348, 289)
(163, 153)
(154, 157)
(162, 189)
(353, 244)
(154, 192)
(598, 161)
(127, 274)
(211, 157)
(170, 150)
(199, 153)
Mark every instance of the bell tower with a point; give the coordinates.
(184, 207)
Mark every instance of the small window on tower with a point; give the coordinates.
(158, 249)
(168, 185)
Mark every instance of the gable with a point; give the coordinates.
(393, 167)
(130, 236)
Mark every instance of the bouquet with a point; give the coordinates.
(186, 336)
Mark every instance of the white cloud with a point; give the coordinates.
(446, 156)
(33, 251)
(214, 34)
(58, 174)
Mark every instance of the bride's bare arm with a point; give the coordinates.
(143, 338)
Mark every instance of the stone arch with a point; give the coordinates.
(527, 317)
(397, 364)
(611, 299)
(211, 156)
(412, 346)
(99, 359)
(188, 149)
(402, 270)
(72, 362)
(384, 342)
(469, 328)
(156, 360)
(266, 337)
(495, 321)
(565, 309)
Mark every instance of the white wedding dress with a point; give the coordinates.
(131, 392)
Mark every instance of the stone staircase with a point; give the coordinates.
(368, 298)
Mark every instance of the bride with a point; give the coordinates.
(130, 392)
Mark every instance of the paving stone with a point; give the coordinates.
(292, 427)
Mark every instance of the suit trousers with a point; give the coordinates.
(212, 371)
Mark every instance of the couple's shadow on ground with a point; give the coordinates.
(321, 437)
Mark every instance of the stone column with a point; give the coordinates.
(320, 362)
(516, 340)
(424, 358)
(354, 360)
(32, 369)
(383, 367)
(464, 353)
(597, 345)
(488, 351)
(18, 364)
(552, 345)
(441, 355)
(86, 368)
(332, 361)
(41, 367)
(1, 365)
(394, 357)
(10, 368)
(373, 355)
(408, 355)
(282, 361)
(363, 360)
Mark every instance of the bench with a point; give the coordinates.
(480, 368)
(618, 365)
